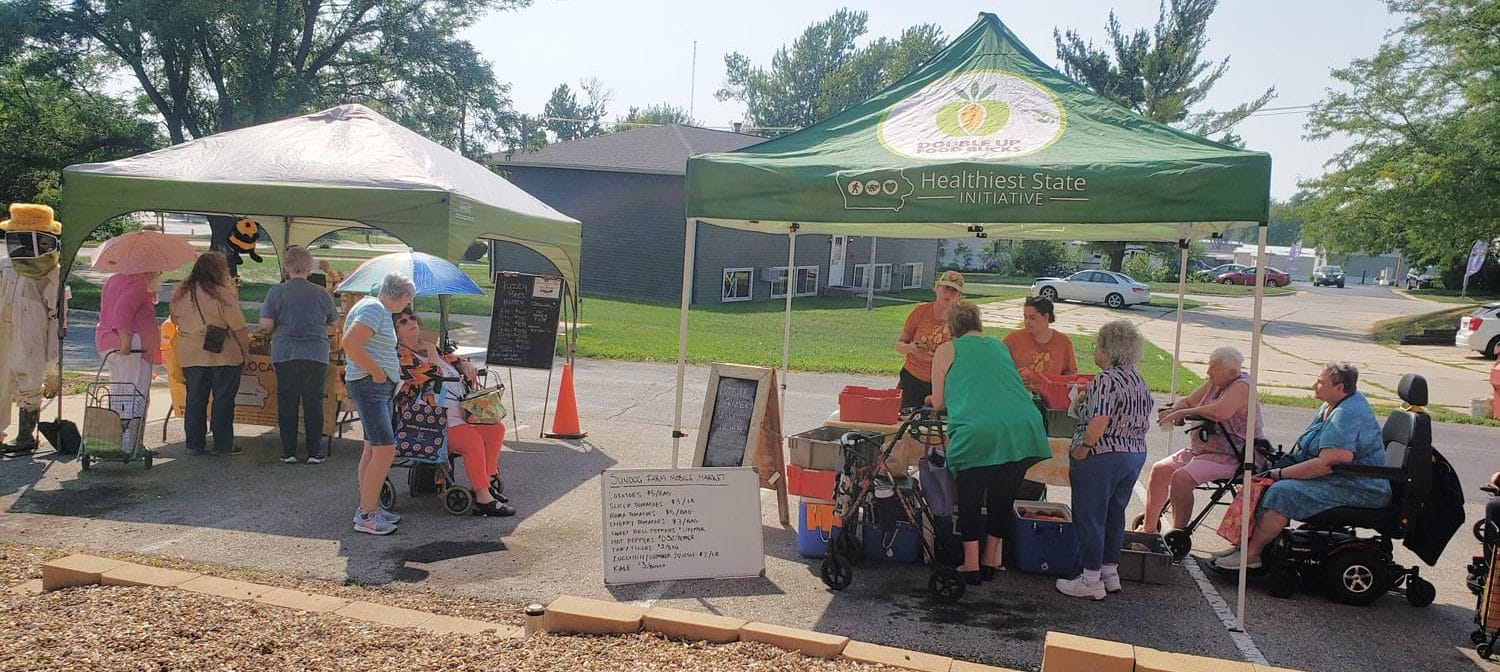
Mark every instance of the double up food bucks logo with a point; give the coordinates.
(976, 115)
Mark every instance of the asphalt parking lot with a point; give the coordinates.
(250, 511)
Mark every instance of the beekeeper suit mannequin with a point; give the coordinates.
(28, 318)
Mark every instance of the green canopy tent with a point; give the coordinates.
(983, 139)
(303, 177)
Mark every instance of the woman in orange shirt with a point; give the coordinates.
(1037, 347)
(926, 328)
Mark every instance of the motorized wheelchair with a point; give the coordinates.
(1328, 550)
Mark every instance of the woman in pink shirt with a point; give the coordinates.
(127, 325)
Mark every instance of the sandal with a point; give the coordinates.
(495, 508)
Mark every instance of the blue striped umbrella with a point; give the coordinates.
(432, 275)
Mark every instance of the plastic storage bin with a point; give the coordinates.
(814, 483)
(1151, 565)
(865, 404)
(816, 524)
(1045, 543)
(819, 448)
(1059, 424)
(1055, 389)
(899, 545)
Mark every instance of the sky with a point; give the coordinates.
(643, 50)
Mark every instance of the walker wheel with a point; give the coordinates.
(458, 500)
(837, 572)
(1420, 592)
(1477, 637)
(146, 456)
(1179, 542)
(1484, 651)
(388, 494)
(497, 486)
(945, 585)
(85, 462)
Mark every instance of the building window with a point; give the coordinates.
(882, 276)
(737, 284)
(912, 276)
(807, 281)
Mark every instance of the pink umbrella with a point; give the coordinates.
(143, 252)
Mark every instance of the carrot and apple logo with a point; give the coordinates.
(988, 114)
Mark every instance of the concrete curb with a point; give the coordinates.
(576, 615)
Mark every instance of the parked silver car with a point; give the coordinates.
(1115, 290)
(1328, 275)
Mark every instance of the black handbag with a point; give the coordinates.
(213, 334)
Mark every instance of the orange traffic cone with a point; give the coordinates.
(565, 423)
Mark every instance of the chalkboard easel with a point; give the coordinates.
(523, 320)
(742, 418)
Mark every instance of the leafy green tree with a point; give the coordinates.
(54, 110)
(1285, 226)
(1039, 257)
(206, 66)
(654, 115)
(1159, 74)
(568, 119)
(1423, 172)
(824, 72)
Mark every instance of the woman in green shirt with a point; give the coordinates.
(994, 433)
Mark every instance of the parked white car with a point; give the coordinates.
(1115, 290)
(1480, 330)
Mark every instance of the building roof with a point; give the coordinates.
(661, 150)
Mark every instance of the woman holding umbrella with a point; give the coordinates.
(127, 313)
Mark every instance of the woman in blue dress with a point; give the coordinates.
(1343, 431)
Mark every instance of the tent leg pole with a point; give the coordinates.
(689, 246)
(1250, 419)
(786, 320)
(870, 277)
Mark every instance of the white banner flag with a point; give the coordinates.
(1295, 253)
(1476, 257)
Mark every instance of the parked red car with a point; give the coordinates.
(1274, 278)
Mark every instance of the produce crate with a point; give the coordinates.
(865, 404)
(1055, 389)
(1059, 424)
(811, 483)
(1147, 566)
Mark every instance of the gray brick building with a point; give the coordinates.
(627, 189)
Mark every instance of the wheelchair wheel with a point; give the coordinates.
(1179, 542)
(945, 585)
(1355, 576)
(146, 456)
(1420, 592)
(387, 495)
(458, 500)
(1484, 650)
(836, 572)
(85, 462)
(1282, 583)
(1479, 528)
(1478, 637)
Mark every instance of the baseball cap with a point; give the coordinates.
(952, 279)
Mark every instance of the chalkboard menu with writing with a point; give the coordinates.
(729, 430)
(662, 524)
(523, 322)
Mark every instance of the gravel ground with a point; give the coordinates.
(157, 629)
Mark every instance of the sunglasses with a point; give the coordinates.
(403, 318)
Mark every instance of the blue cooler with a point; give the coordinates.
(1044, 540)
(899, 545)
(815, 526)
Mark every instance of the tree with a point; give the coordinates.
(1159, 74)
(823, 72)
(1285, 225)
(1423, 172)
(570, 120)
(212, 65)
(1039, 257)
(53, 110)
(654, 115)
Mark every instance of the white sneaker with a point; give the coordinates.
(1111, 582)
(1233, 560)
(1081, 587)
(1224, 553)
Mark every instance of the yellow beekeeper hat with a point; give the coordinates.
(31, 217)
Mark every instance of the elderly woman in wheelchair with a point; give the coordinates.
(1344, 431)
(1213, 454)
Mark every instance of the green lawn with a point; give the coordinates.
(1397, 328)
(1453, 296)
(828, 335)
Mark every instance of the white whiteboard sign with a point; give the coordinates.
(662, 524)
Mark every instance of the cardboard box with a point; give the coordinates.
(819, 448)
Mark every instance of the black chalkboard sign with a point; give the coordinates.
(729, 429)
(523, 322)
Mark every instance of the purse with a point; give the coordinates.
(483, 406)
(213, 334)
(1229, 527)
